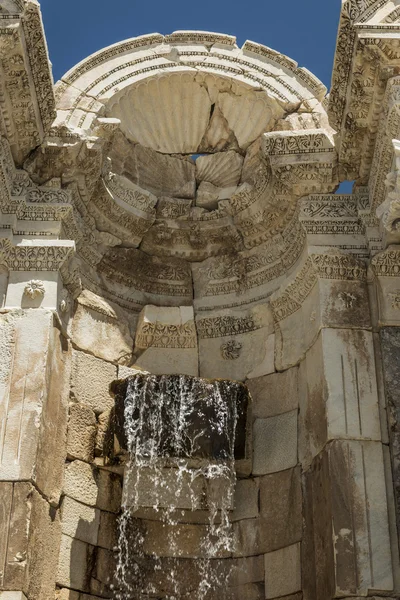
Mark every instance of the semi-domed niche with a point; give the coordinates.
(207, 149)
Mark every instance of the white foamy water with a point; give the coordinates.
(180, 434)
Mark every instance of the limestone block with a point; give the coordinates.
(274, 394)
(390, 344)
(190, 540)
(108, 530)
(80, 521)
(75, 564)
(95, 487)
(296, 333)
(81, 432)
(314, 299)
(267, 364)
(344, 304)
(105, 566)
(12, 596)
(275, 443)
(164, 488)
(234, 343)
(103, 434)
(66, 594)
(101, 328)
(347, 546)
(251, 591)
(19, 281)
(52, 442)
(166, 341)
(282, 572)
(109, 490)
(245, 500)
(80, 482)
(29, 540)
(33, 402)
(91, 378)
(339, 398)
(280, 520)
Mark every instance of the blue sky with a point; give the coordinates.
(305, 30)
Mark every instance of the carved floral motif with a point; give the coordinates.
(230, 350)
(34, 288)
(159, 335)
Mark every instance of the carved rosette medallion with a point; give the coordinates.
(35, 289)
(230, 350)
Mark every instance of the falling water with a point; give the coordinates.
(181, 439)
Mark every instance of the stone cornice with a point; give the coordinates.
(27, 100)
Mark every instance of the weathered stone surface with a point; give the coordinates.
(75, 564)
(91, 378)
(103, 438)
(101, 328)
(81, 432)
(80, 521)
(340, 399)
(105, 566)
(166, 341)
(80, 483)
(275, 443)
(66, 594)
(163, 175)
(282, 572)
(236, 343)
(390, 343)
(164, 488)
(12, 596)
(29, 541)
(280, 520)
(92, 486)
(345, 501)
(34, 404)
(245, 500)
(274, 394)
(222, 169)
(189, 540)
(108, 530)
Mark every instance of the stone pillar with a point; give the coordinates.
(322, 319)
(34, 381)
(385, 271)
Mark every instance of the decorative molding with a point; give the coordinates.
(215, 327)
(160, 335)
(387, 263)
(342, 267)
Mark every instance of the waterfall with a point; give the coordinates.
(181, 438)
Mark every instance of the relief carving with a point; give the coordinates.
(231, 350)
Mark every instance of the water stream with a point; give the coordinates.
(181, 437)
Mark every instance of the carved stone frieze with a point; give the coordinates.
(387, 263)
(214, 327)
(27, 100)
(332, 266)
(160, 335)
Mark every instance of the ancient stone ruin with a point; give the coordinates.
(199, 338)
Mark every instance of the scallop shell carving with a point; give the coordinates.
(185, 113)
(169, 114)
(248, 115)
(222, 169)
